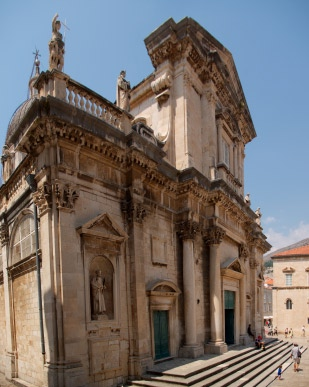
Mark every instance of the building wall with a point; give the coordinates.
(167, 234)
(27, 332)
(2, 328)
(297, 292)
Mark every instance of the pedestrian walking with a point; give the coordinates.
(279, 371)
(303, 331)
(296, 355)
(286, 333)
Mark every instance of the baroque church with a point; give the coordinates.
(126, 238)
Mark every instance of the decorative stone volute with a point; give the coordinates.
(161, 86)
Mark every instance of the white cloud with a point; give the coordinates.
(269, 219)
(280, 240)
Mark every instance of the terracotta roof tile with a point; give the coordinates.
(302, 250)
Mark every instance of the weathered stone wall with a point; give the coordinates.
(27, 328)
(2, 330)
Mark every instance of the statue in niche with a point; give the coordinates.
(56, 46)
(123, 92)
(97, 294)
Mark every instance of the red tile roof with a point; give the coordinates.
(302, 250)
(269, 281)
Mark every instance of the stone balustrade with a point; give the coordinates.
(61, 86)
(84, 99)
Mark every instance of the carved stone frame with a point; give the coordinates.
(163, 295)
(101, 237)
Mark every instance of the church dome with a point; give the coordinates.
(16, 120)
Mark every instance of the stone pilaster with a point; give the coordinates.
(244, 338)
(213, 237)
(187, 232)
(11, 360)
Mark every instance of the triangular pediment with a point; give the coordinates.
(103, 226)
(232, 268)
(232, 264)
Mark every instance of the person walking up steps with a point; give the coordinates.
(296, 354)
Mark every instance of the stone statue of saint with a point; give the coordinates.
(7, 163)
(56, 25)
(56, 46)
(123, 92)
(259, 215)
(97, 292)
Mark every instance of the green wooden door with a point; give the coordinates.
(229, 306)
(160, 322)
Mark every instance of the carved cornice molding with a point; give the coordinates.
(4, 234)
(139, 159)
(188, 229)
(153, 176)
(49, 130)
(213, 235)
(194, 189)
(66, 195)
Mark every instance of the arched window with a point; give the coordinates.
(289, 303)
(24, 239)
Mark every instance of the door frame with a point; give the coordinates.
(164, 296)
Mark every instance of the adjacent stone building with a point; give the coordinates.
(125, 235)
(291, 289)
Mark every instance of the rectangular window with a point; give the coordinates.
(226, 153)
(288, 279)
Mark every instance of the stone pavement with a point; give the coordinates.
(289, 377)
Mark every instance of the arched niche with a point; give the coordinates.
(102, 242)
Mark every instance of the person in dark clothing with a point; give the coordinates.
(249, 331)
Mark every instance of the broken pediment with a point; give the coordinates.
(232, 268)
(103, 226)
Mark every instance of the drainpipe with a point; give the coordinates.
(32, 184)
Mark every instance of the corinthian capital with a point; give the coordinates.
(66, 195)
(4, 234)
(43, 197)
(188, 229)
(214, 235)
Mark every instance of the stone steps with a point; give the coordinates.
(236, 368)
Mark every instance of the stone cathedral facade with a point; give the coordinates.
(133, 241)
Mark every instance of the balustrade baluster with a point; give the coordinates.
(76, 99)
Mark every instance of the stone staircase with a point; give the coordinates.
(246, 367)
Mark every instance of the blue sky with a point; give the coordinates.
(267, 38)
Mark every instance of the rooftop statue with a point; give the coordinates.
(123, 92)
(56, 46)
